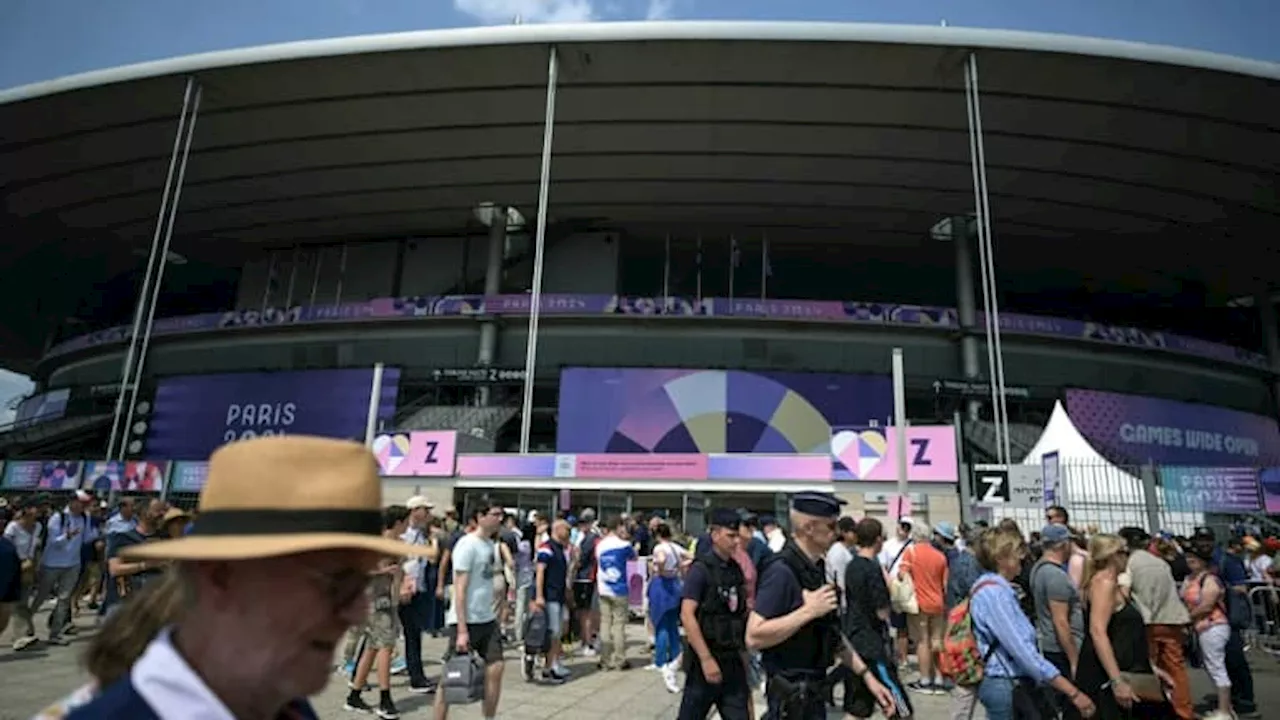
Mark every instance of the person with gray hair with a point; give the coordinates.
(1059, 619)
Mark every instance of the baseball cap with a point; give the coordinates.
(419, 501)
(906, 520)
(1055, 534)
(83, 496)
(587, 515)
(945, 529)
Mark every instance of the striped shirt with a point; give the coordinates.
(998, 617)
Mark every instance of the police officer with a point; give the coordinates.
(713, 611)
(795, 621)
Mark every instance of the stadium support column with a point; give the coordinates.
(144, 314)
(986, 257)
(535, 299)
(961, 237)
(492, 286)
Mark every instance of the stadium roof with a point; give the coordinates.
(829, 132)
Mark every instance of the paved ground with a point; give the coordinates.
(31, 679)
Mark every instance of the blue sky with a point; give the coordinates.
(43, 39)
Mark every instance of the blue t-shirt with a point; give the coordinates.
(1230, 567)
(556, 575)
(777, 594)
(613, 553)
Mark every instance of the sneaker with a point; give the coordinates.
(424, 688)
(920, 687)
(387, 710)
(398, 666)
(550, 678)
(60, 641)
(526, 667)
(70, 629)
(355, 703)
(24, 642)
(937, 689)
(669, 679)
(561, 671)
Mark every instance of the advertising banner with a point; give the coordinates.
(22, 474)
(849, 311)
(1051, 475)
(194, 414)
(188, 476)
(132, 476)
(870, 453)
(1269, 480)
(1132, 429)
(620, 466)
(673, 411)
(1225, 490)
(422, 453)
(40, 408)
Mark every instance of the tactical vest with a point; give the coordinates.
(722, 609)
(813, 647)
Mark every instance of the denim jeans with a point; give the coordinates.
(996, 696)
(1241, 676)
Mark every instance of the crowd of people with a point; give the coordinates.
(1064, 623)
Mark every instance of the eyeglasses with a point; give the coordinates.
(341, 588)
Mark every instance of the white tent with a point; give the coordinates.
(1095, 490)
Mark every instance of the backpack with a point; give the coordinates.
(537, 635)
(960, 660)
(587, 556)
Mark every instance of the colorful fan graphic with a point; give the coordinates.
(712, 411)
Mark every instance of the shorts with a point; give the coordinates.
(381, 630)
(861, 703)
(555, 619)
(485, 639)
(926, 628)
(585, 596)
(898, 621)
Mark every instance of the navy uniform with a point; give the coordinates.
(797, 666)
(715, 589)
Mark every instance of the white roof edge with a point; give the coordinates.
(651, 31)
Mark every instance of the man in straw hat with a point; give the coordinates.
(275, 570)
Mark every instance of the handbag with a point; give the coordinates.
(1146, 686)
(902, 589)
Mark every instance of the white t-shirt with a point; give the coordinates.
(1258, 567)
(26, 542)
(838, 558)
(888, 552)
(473, 556)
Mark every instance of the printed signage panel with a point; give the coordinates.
(1010, 486)
(1051, 473)
(870, 453)
(131, 476)
(195, 414)
(422, 453)
(1224, 490)
(1132, 429)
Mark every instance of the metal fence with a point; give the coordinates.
(1101, 497)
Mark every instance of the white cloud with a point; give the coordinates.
(531, 11)
(660, 9)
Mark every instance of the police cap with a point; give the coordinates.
(724, 518)
(817, 504)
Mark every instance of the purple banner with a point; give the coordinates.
(643, 410)
(1224, 490)
(194, 414)
(1136, 429)
(793, 310)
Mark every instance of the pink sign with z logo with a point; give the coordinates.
(425, 453)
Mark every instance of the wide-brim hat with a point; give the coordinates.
(284, 495)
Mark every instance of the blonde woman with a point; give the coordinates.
(121, 640)
(1115, 669)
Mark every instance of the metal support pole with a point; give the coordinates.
(375, 397)
(995, 359)
(342, 273)
(968, 314)
(666, 273)
(535, 299)
(141, 311)
(140, 363)
(492, 286)
(900, 420)
(962, 473)
(1263, 301)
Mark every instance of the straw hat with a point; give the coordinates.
(173, 514)
(276, 496)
